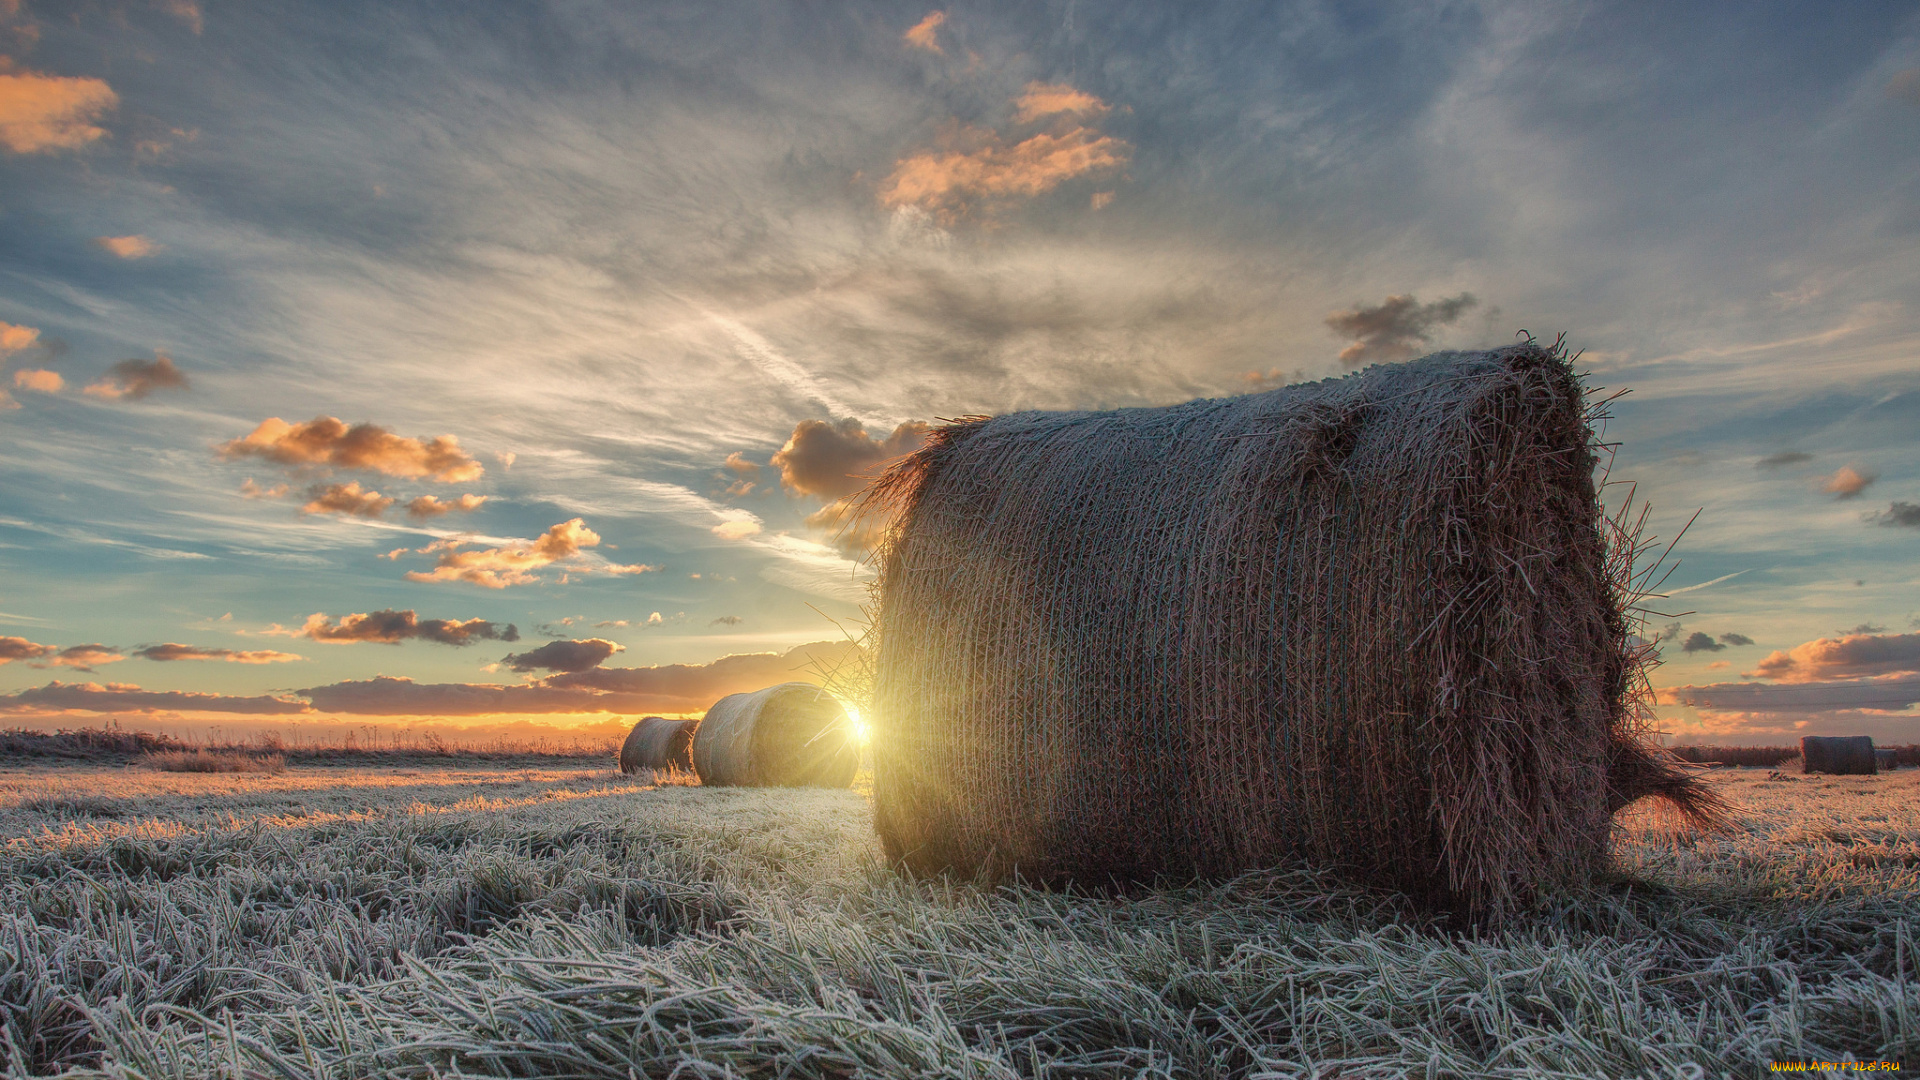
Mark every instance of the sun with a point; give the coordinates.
(861, 733)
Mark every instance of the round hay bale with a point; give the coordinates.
(1886, 759)
(1372, 623)
(1843, 755)
(791, 735)
(658, 743)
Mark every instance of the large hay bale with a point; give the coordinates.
(1372, 623)
(791, 735)
(1843, 755)
(658, 743)
(1886, 759)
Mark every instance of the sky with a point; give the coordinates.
(497, 364)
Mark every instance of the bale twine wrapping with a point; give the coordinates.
(791, 735)
(658, 743)
(1844, 755)
(1371, 623)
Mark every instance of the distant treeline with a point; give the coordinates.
(1767, 757)
(115, 743)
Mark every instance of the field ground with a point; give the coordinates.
(555, 918)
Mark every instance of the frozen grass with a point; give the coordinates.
(580, 923)
(198, 760)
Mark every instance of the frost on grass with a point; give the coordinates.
(580, 923)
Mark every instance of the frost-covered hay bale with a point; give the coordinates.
(1844, 755)
(791, 735)
(658, 743)
(1370, 622)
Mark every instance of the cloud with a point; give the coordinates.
(666, 688)
(14, 338)
(506, 458)
(83, 657)
(346, 498)
(138, 378)
(1905, 86)
(41, 381)
(171, 651)
(251, 490)
(1851, 656)
(497, 568)
(19, 648)
(1395, 328)
(43, 113)
(325, 440)
(977, 167)
(1849, 482)
(925, 33)
(187, 11)
(426, 506)
(1783, 458)
(1865, 628)
(726, 620)
(1887, 693)
(564, 655)
(126, 697)
(1055, 99)
(128, 247)
(1735, 639)
(1699, 642)
(1904, 515)
(833, 460)
(747, 471)
(389, 627)
(737, 529)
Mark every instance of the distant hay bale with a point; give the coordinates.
(1886, 760)
(1372, 623)
(658, 743)
(791, 735)
(1842, 755)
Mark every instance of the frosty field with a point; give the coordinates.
(556, 918)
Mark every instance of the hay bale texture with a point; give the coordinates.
(1842, 755)
(791, 735)
(658, 743)
(1372, 623)
(1886, 760)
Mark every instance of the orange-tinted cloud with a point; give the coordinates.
(568, 655)
(838, 459)
(389, 627)
(128, 247)
(127, 697)
(667, 688)
(83, 657)
(347, 498)
(138, 378)
(1101, 200)
(254, 491)
(171, 651)
(19, 648)
(14, 338)
(1849, 481)
(497, 568)
(7, 402)
(42, 381)
(426, 506)
(43, 113)
(979, 167)
(1054, 99)
(325, 440)
(737, 529)
(925, 34)
(1852, 656)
